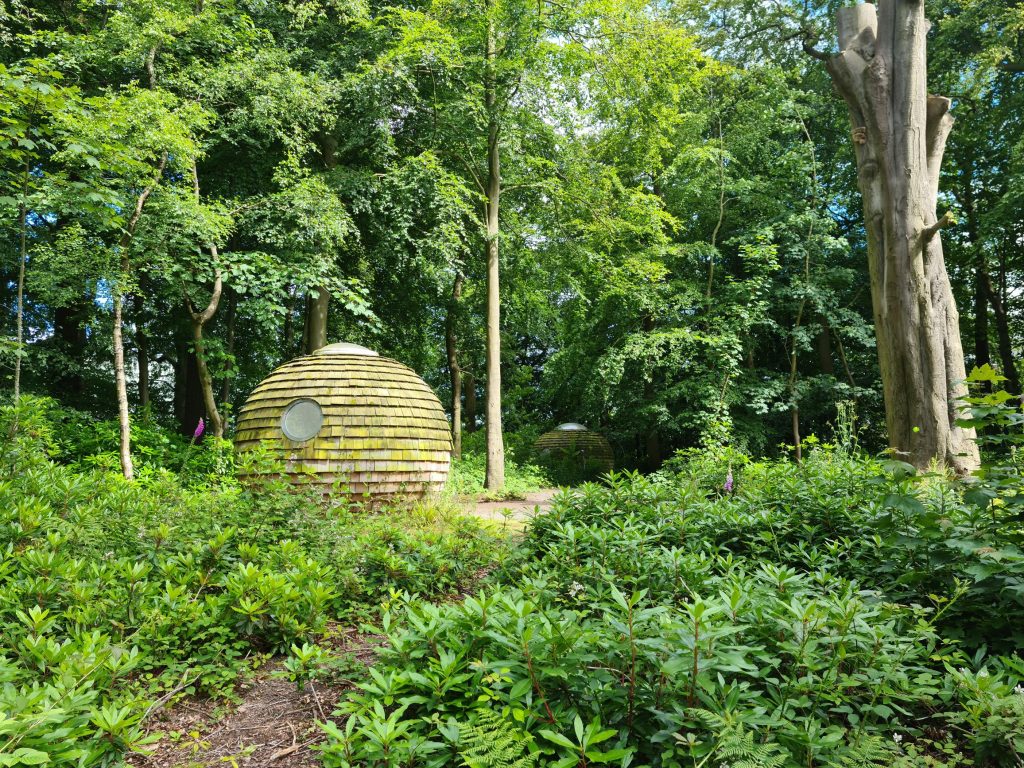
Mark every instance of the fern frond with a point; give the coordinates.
(737, 746)
(494, 742)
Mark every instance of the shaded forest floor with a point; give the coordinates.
(272, 726)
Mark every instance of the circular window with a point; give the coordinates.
(302, 420)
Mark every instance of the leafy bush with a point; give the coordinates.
(469, 472)
(827, 613)
(114, 595)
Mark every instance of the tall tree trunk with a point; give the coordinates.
(289, 325)
(22, 261)
(495, 476)
(982, 351)
(199, 320)
(454, 372)
(469, 388)
(316, 323)
(899, 135)
(229, 347)
(1008, 364)
(120, 381)
(141, 348)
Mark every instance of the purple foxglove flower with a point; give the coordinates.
(728, 483)
(200, 428)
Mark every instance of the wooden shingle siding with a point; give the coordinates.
(384, 432)
(581, 444)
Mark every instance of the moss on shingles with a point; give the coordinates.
(384, 432)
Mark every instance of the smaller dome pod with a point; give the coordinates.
(574, 453)
(346, 415)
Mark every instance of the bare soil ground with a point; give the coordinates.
(515, 509)
(274, 725)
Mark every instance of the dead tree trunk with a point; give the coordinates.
(454, 371)
(899, 136)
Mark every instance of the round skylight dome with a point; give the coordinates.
(344, 348)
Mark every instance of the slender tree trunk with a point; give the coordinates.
(229, 347)
(22, 261)
(899, 135)
(1003, 337)
(982, 351)
(120, 381)
(794, 371)
(469, 388)
(141, 348)
(495, 477)
(454, 372)
(317, 321)
(199, 320)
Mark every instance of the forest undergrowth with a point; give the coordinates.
(845, 611)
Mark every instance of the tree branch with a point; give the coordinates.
(947, 220)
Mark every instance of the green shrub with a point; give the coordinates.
(114, 595)
(816, 614)
(469, 471)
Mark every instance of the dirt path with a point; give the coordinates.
(274, 725)
(516, 509)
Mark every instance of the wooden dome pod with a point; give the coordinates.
(346, 415)
(574, 453)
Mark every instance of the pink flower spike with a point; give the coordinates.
(728, 483)
(200, 428)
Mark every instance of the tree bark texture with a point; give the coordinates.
(495, 476)
(469, 388)
(141, 349)
(199, 319)
(22, 261)
(120, 380)
(316, 323)
(454, 371)
(899, 135)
